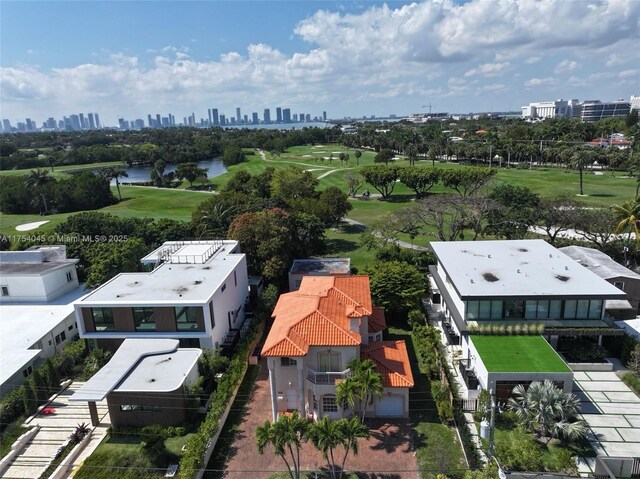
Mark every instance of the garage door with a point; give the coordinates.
(390, 406)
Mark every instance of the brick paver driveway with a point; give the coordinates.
(388, 454)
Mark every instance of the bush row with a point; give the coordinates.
(44, 381)
(433, 360)
(507, 330)
(193, 458)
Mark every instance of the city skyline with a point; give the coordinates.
(354, 59)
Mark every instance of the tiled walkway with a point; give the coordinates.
(389, 451)
(55, 430)
(612, 412)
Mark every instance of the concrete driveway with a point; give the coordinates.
(55, 429)
(612, 412)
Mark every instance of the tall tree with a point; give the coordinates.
(420, 179)
(114, 173)
(368, 380)
(285, 436)
(326, 436)
(357, 154)
(191, 172)
(383, 178)
(385, 156)
(354, 183)
(580, 159)
(39, 179)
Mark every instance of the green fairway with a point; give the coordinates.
(516, 354)
(345, 242)
(62, 171)
(137, 201)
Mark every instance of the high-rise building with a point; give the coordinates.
(122, 124)
(324, 116)
(6, 125)
(92, 122)
(547, 109)
(267, 115)
(158, 120)
(238, 116)
(635, 102)
(286, 115)
(60, 124)
(223, 120)
(98, 125)
(75, 122)
(597, 110)
(51, 123)
(82, 122)
(138, 124)
(254, 118)
(308, 118)
(150, 120)
(278, 115)
(216, 117)
(30, 125)
(210, 119)
(301, 117)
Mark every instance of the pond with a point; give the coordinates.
(142, 173)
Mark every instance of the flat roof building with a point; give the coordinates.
(317, 267)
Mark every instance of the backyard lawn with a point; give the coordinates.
(437, 445)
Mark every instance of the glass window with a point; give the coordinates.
(472, 310)
(496, 309)
(103, 319)
(213, 317)
(543, 309)
(570, 309)
(514, 309)
(235, 278)
(69, 277)
(329, 404)
(583, 309)
(144, 319)
(485, 310)
(287, 362)
(595, 309)
(619, 285)
(186, 318)
(328, 361)
(5, 291)
(555, 308)
(531, 309)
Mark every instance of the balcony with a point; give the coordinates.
(327, 377)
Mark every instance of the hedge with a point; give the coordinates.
(193, 458)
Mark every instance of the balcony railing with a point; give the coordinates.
(327, 377)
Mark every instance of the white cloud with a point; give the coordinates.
(420, 49)
(534, 82)
(566, 66)
(488, 69)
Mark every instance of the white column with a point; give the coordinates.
(301, 381)
(272, 385)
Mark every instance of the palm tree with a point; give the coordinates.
(368, 381)
(348, 391)
(326, 436)
(114, 173)
(284, 435)
(547, 409)
(357, 154)
(580, 159)
(39, 179)
(352, 430)
(341, 156)
(411, 151)
(628, 217)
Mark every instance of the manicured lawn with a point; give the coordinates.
(137, 201)
(518, 354)
(345, 242)
(10, 434)
(437, 448)
(62, 171)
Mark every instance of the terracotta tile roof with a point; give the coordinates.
(392, 361)
(377, 322)
(318, 314)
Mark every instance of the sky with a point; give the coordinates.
(129, 58)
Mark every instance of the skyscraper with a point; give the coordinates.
(267, 115)
(83, 125)
(216, 118)
(278, 115)
(98, 125)
(324, 116)
(238, 117)
(150, 120)
(75, 122)
(301, 116)
(158, 120)
(6, 124)
(210, 119)
(92, 123)
(254, 118)
(286, 115)
(223, 120)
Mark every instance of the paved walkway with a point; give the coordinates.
(55, 430)
(388, 452)
(612, 412)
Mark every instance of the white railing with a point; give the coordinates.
(327, 377)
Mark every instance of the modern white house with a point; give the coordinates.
(195, 292)
(515, 284)
(317, 330)
(145, 383)
(37, 317)
(37, 275)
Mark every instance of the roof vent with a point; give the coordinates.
(518, 271)
(489, 256)
(566, 268)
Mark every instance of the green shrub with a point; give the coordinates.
(11, 407)
(416, 316)
(150, 435)
(29, 398)
(445, 412)
(632, 380)
(520, 453)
